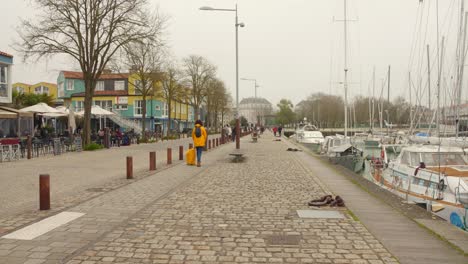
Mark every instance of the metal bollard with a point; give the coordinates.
(217, 142)
(152, 161)
(209, 144)
(169, 156)
(129, 167)
(190, 146)
(181, 152)
(44, 192)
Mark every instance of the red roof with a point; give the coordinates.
(5, 54)
(109, 76)
(103, 93)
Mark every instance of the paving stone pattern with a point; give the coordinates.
(75, 178)
(103, 214)
(239, 213)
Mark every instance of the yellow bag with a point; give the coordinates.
(190, 156)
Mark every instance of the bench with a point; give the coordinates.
(238, 156)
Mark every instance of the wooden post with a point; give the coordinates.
(169, 156)
(181, 152)
(29, 146)
(152, 161)
(44, 192)
(129, 167)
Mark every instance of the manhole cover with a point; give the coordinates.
(96, 189)
(283, 240)
(320, 214)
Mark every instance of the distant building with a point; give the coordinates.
(38, 88)
(6, 65)
(255, 109)
(116, 92)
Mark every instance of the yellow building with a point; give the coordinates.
(38, 88)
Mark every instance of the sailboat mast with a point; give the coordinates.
(373, 99)
(410, 102)
(428, 78)
(438, 86)
(460, 74)
(345, 69)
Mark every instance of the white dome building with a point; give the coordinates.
(255, 109)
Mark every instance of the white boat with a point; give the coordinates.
(434, 176)
(309, 136)
(448, 141)
(332, 142)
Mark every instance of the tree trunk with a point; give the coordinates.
(143, 118)
(196, 112)
(88, 102)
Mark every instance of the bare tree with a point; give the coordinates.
(199, 72)
(216, 98)
(171, 88)
(90, 31)
(144, 58)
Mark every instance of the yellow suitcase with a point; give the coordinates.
(190, 156)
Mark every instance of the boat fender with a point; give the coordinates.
(441, 186)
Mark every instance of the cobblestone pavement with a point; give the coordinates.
(102, 215)
(71, 181)
(238, 213)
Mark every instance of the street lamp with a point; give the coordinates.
(237, 25)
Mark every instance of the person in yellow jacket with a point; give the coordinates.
(199, 137)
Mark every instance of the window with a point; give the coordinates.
(166, 110)
(106, 104)
(61, 92)
(119, 85)
(3, 81)
(19, 89)
(41, 90)
(138, 108)
(79, 106)
(157, 107)
(70, 85)
(138, 87)
(100, 86)
(121, 107)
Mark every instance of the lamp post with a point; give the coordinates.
(237, 25)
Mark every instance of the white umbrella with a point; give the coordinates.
(71, 119)
(41, 108)
(97, 111)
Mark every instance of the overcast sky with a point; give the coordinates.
(293, 48)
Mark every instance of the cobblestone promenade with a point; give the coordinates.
(221, 213)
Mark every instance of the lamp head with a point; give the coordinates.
(206, 8)
(241, 24)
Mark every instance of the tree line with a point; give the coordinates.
(126, 35)
(327, 111)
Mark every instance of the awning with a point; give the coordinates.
(9, 115)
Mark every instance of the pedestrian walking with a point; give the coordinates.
(233, 134)
(199, 137)
(280, 128)
(275, 129)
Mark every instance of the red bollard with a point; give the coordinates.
(190, 146)
(169, 156)
(152, 161)
(181, 152)
(129, 167)
(44, 192)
